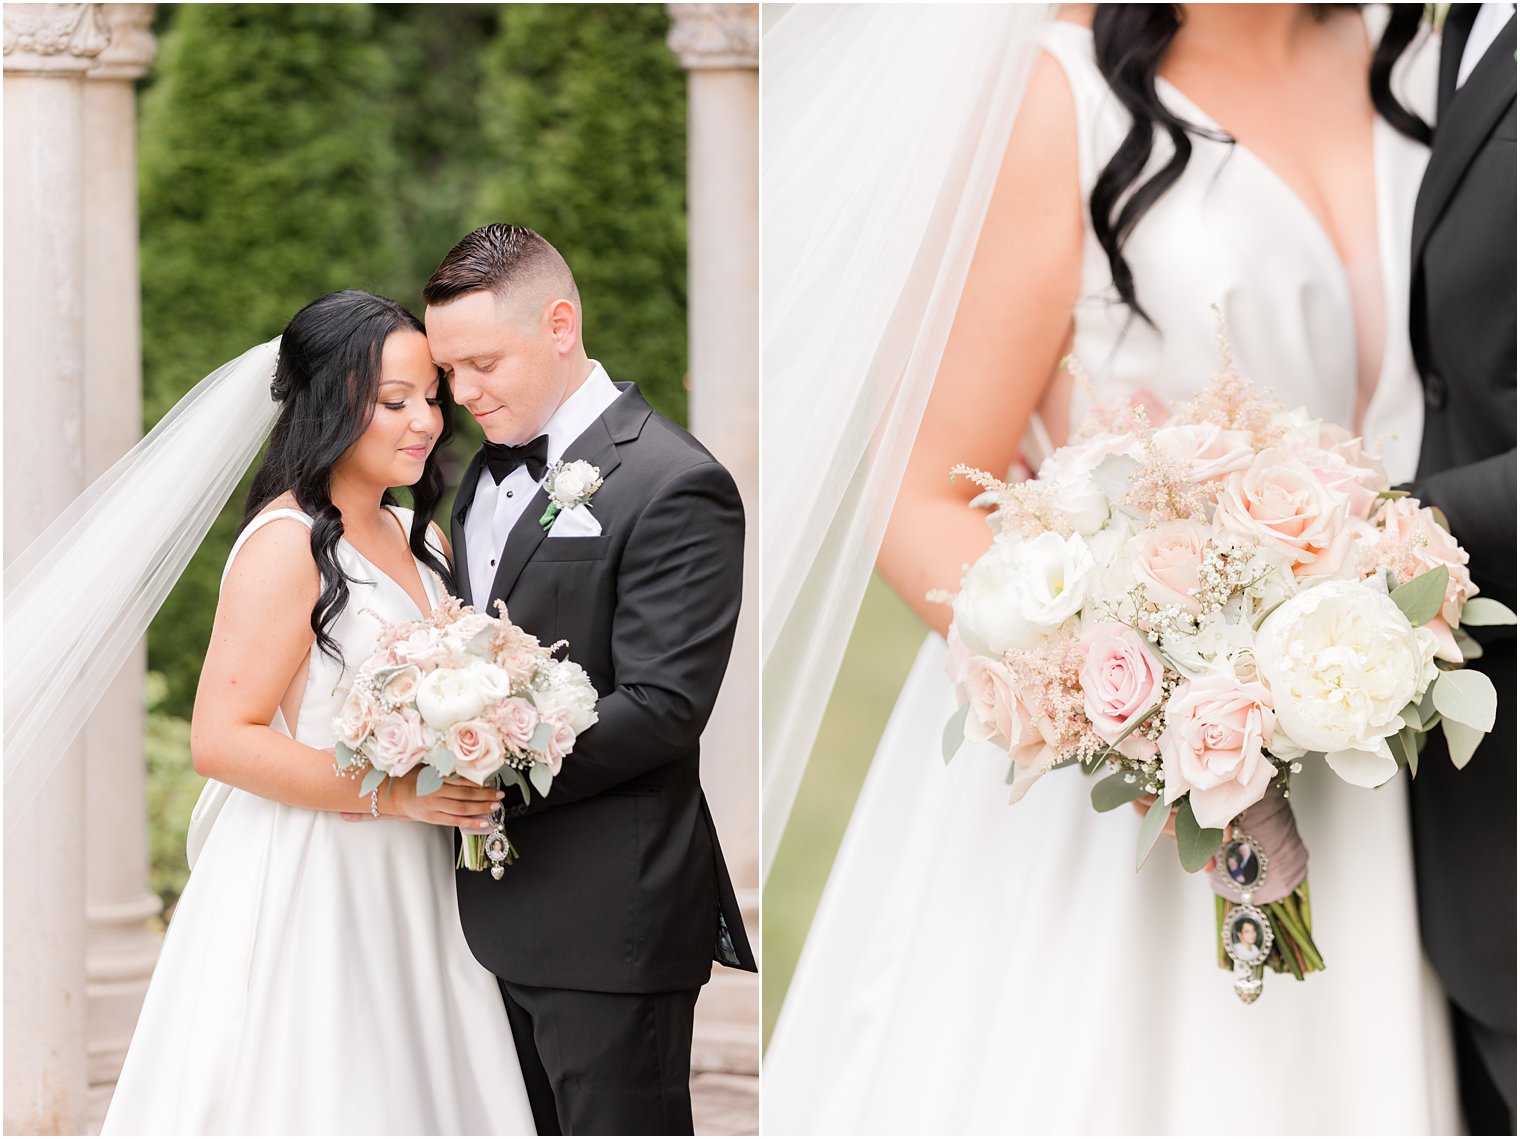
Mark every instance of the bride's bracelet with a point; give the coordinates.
(374, 802)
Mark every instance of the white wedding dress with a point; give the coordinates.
(315, 979)
(975, 967)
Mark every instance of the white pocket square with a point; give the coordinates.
(577, 522)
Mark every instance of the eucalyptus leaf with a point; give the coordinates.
(514, 777)
(372, 779)
(541, 777)
(1411, 741)
(343, 754)
(1195, 844)
(1468, 697)
(1487, 611)
(1150, 829)
(1113, 791)
(443, 759)
(1393, 494)
(1461, 741)
(1411, 715)
(1428, 713)
(1420, 599)
(955, 733)
(542, 735)
(428, 781)
(1469, 648)
(1396, 746)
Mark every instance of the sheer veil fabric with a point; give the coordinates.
(83, 593)
(884, 130)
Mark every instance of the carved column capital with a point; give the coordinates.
(132, 45)
(711, 36)
(59, 39)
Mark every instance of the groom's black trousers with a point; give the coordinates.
(604, 1063)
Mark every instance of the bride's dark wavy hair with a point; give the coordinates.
(1129, 41)
(327, 381)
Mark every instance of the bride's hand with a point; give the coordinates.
(458, 803)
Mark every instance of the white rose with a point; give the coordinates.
(572, 483)
(1209, 452)
(448, 695)
(1074, 493)
(1342, 662)
(494, 683)
(1018, 590)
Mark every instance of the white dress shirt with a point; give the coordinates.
(1486, 27)
(497, 506)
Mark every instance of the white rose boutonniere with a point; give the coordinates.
(569, 485)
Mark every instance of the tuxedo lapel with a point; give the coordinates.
(1466, 120)
(462, 500)
(1454, 33)
(597, 445)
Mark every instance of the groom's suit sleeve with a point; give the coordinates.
(678, 590)
(1478, 500)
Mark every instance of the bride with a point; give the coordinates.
(315, 979)
(976, 967)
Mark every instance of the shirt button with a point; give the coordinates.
(509, 493)
(493, 561)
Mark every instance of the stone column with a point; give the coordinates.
(719, 45)
(121, 947)
(48, 48)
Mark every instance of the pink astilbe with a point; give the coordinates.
(1024, 508)
(1230, 401)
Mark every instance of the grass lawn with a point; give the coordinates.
(882, 646)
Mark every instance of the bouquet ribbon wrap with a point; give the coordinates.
(1270, 822)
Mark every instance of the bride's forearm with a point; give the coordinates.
(257, 759)
(927, 546)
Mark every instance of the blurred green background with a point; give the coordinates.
(289, 150)
(881, 649)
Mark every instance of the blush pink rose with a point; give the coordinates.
(1358, 484)
(477, 749)
(991, 695)
(1208, 451)
(561, 740)
(1166, 562)
(518, 653)
(401, 688)
(422, 647)
(358, 717)
(516, 718)
(1282, 506)
(1120, 679)
(957, 661)
(1211, 748)
(401, 742)
(1407, 526)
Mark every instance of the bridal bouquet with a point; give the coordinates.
(463, 693)
(1202, 607)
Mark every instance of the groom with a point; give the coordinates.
(605, 931)
(1462, 324)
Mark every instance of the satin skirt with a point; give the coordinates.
(315, 980)
(976, 967)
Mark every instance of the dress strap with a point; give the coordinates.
(1102, 121)
(253, 527)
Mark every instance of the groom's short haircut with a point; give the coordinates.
(509, 260)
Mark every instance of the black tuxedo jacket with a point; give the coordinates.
(1462, 324)
(621, 886)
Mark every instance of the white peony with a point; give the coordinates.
(1019, 590)
(1342, 662)
(566, 693)
(448, 695)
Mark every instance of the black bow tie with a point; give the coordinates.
(503, 459)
